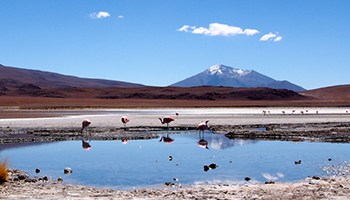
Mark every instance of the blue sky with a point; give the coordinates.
(160, 42)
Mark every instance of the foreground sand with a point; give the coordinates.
(329, 188)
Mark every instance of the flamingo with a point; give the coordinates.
(85, 124)
(124, 120)
(166, 120)
(203, 126)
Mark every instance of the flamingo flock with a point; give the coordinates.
(165, 120)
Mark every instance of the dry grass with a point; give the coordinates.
(3, 171)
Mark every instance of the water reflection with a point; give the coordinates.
(257, 160)
(166, 139)
(203, 143)
(219, 141)
(86, 145)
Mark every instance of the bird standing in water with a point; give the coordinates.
(203, 126)
(85, 124)
(166, 120)
(125, 120)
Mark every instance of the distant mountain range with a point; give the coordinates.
(221, 75)
(248, 85)
(17, 77)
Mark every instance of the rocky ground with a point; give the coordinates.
(21, 186)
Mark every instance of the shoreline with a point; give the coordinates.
(297, 132)
(310, 188)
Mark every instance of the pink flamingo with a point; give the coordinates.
(166, 120)
(125, 120)
(85, 124)
(203, 126)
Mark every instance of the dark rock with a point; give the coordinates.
(169, 184)
(22, 176)
(329, 159)
(37, 170)
(170, 158)
(270, 182)
(247, 179)
(213, 166)
(30, 180)
(206, 168)
(298, 162)
(315, 177)
(60, 179)
(45, 178)
(68, 170)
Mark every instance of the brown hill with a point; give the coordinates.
(336, 93)
(176, 93)
(11, 77)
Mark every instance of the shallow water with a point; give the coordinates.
(146, 163)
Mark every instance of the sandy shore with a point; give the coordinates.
(325, 188)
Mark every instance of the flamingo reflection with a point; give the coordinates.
(202, 142)
(86, 145)
(166, 139)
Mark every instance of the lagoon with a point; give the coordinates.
(147, 163)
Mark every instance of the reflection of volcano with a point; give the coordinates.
(219, 141)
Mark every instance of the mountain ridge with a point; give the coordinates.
(45, 79)
(222, 75)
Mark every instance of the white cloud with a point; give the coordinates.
(217, 29)
(99, 15)
(271, 37)
(120, 17)
(277, 39)
(184, 28)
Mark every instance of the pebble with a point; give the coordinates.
(37, 170)
(298, 162)
(213, 166)
(247, 179)
(67, 170)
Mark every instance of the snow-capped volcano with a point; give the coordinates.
(221, 75)
(222, 69)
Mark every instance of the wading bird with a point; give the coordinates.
(166, 120)
(125, 120)
(85, 124)
(203, 126)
